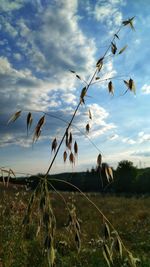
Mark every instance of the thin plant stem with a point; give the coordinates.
(80, 102)
(58, 193)
(109, 78)
(65, 121)
(74, 114)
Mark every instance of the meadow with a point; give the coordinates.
(19, 247)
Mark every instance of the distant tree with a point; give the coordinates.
(125, 176)
(142, 183)
(93, 170)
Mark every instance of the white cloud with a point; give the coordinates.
(140, 134)
(113, 137)
(4, 65)
(22, 90)
(4, 41)
(146, 89)
(109, 12)
(140, 139)
(128, 141)
(9, 29)
(11, 139)
(137, 41)
(59, 43)
(70, 98)
(117, 2)
(102, 12)
(108, 71)
(143, 138)
(8, 5)
(99, 114)
(17, 56)
(98, 124)
(24, 30)
(98, 131)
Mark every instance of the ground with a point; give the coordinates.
(20, 248)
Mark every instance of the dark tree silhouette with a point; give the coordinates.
(125, 176)
(142, 183)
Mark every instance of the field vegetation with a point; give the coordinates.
(23, 247)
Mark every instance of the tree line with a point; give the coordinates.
(127, 179)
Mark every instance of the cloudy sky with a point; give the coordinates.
(40, 41)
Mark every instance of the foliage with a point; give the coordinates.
(132, 224)
(125, 176)
(142, 182)
(128, 179)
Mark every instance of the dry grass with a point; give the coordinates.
(130, 216)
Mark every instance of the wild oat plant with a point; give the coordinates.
(113, 249)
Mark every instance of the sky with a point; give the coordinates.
(40, 41)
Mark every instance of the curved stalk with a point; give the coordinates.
(73, 116)
(80, 102)
(95, 206)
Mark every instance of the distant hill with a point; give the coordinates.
(91, 181)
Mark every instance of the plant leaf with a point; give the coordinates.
(70, 140)
(65, 156)
(67, 138)
(78, 76)
(113, 48)
(54, 145)
(132, 260)
(41, 121)
(12, 172)
(109, 173)
(99, 64)
(99, 160)
(118, 246)
(87, 128)
(14, 117)
(29, 121)
(126, 83)
(122, 49)
(78, 241)
(131, 25)
(116, 36)
(111, 88)
(90, 115)
(106, 254)
(106, 231)
(37, 131)
(75, 148)
(129, 22)
(83, 93)
(132, 85)
(72, 158)
(37, 134)
(52, 256)
(72, 71)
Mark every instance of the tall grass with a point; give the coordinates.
(40, 218)
(19, 249)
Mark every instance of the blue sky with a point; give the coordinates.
(40, 40)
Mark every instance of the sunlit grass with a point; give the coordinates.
(129, 215)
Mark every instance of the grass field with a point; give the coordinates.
(19, 248)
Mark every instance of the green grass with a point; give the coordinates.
(20, 248)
